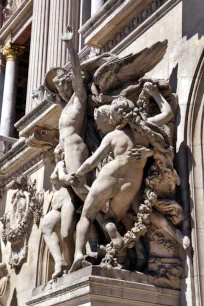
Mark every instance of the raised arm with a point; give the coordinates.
(99, 154)
(77, 80)
(166, 112)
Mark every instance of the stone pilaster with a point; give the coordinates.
(62, 13)
(39, 48)
(12, 54)
(85, 14)
(96, 5)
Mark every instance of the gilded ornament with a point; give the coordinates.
(12, 51)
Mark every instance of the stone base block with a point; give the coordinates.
(95, 286)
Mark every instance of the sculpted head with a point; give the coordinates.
(118, 109)
(109, 117)
(20, 182)
(102, 117)
(63, 83)
(58, 82)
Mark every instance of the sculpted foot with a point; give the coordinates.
(77, 264)
(186, 242)
(183, 240)
(59, 267)
(117, 242)
(58, 270)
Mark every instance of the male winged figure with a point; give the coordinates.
(72, 118)
(71, 142)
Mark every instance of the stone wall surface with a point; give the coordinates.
(182, 24)
(23, 279)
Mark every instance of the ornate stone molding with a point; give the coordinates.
(19, 146)
(11, 8)
(30, 163)
(17, 22)
(12, 51)
(44, 139)
(97, 30)
(17, 223)
(143, 15)
(28, 118)
(6, 144)
(11, 164)
(102, 286)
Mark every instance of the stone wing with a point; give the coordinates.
(116, 73)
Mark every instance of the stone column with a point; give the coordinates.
(85, 14)
(96, 5)
(12, 54)
(39, 48)
(62, 13)
(2, 76)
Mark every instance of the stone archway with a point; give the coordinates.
(195, 156)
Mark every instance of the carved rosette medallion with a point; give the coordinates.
(17, 224)
(13, 52)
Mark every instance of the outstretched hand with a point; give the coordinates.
(68, 179)
(151, 89)
(68, 35)
(74, 179)
(139, 153)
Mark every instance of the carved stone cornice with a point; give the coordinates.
(12, 52)
(109, 28)
(34, 114)
(140, 23)
(20, 18)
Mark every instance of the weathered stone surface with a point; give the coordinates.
(97, 286)
(157, 20)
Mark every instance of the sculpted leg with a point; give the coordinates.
(96, 199)
(68, 224)
(52, 240)
(119, 205)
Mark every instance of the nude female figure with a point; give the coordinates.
(120, 180)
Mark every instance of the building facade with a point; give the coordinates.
(31, 45)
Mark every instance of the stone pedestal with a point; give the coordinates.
(95, 286)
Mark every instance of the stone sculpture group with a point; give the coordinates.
(114, 182)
